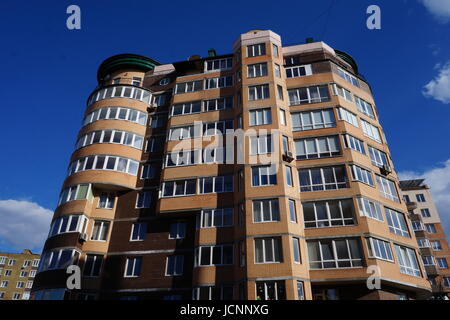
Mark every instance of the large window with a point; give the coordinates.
(116, 113)
(144, 200)
(268, 250)
(348, 116)
(93, 265)
(299, 71)
(260, 117)
(257, 70)
(149, 171)
(313, 94)
(264, 176)
(219, 64)
(154, 144)
(430, 227)
(215, 218)
(407, 260)
(106, 200)
(77, 192)
(270, 290)
(138, 231)
(100, 231)
(362, 175)
(183, 158)
(216, 184)
(379, 249)
(186, 108)
(364, 107)
(442, 263)
(224, 292)
(179, 188)
(58, 259)
(347, 76)
(157, 121)
(338, 253)
(218, 104)
(174, 265)
(219, 82)
(177, 230)
(370, 208)
(261, 144)
(379, 158)
(266, 210)
(320, 214)
(217, 127)
(387, 188)
(355, 144)
(184, 132)
(256, 50)
(133, 267)
(318, 179)
(189, 86)
(104, 162)
(371, 131)
(214, 255)
(342, 92)
(258, 92)
(69, 223)
(321, 147)
(397, 223)
(120, 92)
(310, 120)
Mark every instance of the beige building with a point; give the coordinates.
(17, 272)
(305, 205)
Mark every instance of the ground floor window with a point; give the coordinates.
(270, 290)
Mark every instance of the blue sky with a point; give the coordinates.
(48, 72)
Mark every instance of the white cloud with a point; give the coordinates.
(23, 224)
(438, 179)
(440, 9)
(439, 87)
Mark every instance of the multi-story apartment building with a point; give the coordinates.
(304, 205)
(17, 272)
(430, 234)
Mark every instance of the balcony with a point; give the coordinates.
(411, 206)
(431, 270)
(121, 91)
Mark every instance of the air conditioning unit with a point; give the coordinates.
(385, 170)
(152, 106)
(288, 156)
(82, 237)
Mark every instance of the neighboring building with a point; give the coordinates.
(145, 221)
(430, 234)
(17, 272)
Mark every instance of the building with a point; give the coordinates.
(300, 213)
(17, 272)
(430, 234)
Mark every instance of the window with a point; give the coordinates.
(362, 175)
(217, 127)
(442, 263)
(116, 113)
(258, 92)
(157, 121)
(288, 172)
(218, 104)
(224, 292)
(179, 188)
(348, 116)
(216, 184)
(104, 162)
(347, 76)
(93, 265)
(174, 265)
(268, 250)
(20, 284)
(4, 284)
(299, 71)
(280, 92)
(266, 210)
(296, 249)
(264, 176)
(177, 230)
(23, 274)
(35, 262)
(219, 82)
(138, 231)
(300, 291)
(32, 274)
(214, 255)
(306, 95)
(261, 144)
(379, 249)
(164, 81)
(16, 296)
(355, 144)
(144, 200)
(216, 218)
(417, 225)
(447, 282)
(387, 188)
(184, 132)
(275, 50)
(133, 267)
(106, 200)
(321, 147)
(148, 171)
(277, 70)
(370, 131)
(120, 92)
(370, 208)
(58, 259)
(2, 260)
(338, 253)
(257, 70)
(256, 50)
(11, 262)
(260, 117)
(428, 261)
(283, 117)
(154, 144)
(186, 108)
(270, 290)
(397, 223)
(425, 213)
(436, 244)
(310, 120)
(190, 86)
(68, 223)
(219, 64)
(318, 179)
(420, 197)
(292, 211)
(407, 260)
(364, 107)
(423, 242)
(344, 93)
(321, 214)
(76, 192)
(100, 231)
(136, 81)
(378, 157)
(29, 284)
(8, 273)
(242, 255)
(430, 228)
